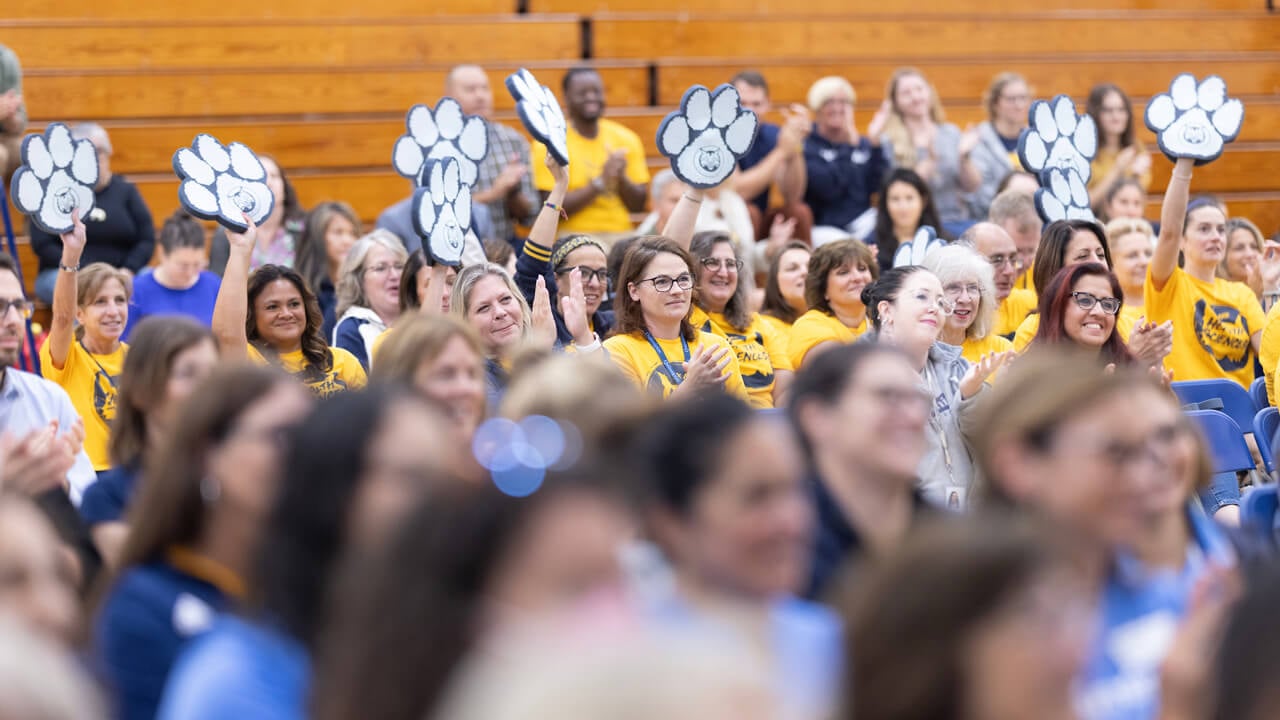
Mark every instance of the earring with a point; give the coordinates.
(210, 491)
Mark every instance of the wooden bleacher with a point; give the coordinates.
(323, 85)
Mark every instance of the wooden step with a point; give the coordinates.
(871, 7)
(199, 11)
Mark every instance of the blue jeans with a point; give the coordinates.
(1224, 489)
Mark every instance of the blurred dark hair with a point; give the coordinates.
(775, 305)
(886, 240)
(827, 376)
(314, 348)
(312, 250)
(1051, 256)
(181, 230)
(1093, 106)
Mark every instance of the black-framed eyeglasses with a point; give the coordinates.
(23, 307)
(1086, 301)
(601, 275)
(663, 283)
(714, 264)
(999, 261)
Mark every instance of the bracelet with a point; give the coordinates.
(692, 199)
(69, 268)
(556, 208)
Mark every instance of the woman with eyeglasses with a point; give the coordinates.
(368, 293)
(1109, 456)
(84, 353)
(1080, 306)
(1006, 101)
(966, 279)
(838, 273)
(723, 307)
(907, 308)
(272, 318)
(194, 528)
(654, 342)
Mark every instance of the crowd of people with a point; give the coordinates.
(733, 464)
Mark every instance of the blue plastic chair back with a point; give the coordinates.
(1236, 402)
(1258, 511)
(1225, 439)
(1258, 391)
(1265, 424)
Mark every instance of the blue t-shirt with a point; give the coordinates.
(147, 619)
(107, 499)
(766, 141)
(152, 298)
(240, 669)
(842, 178)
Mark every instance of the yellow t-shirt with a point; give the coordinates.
(759, 349)
(1014, 309)
(781, 327)
(346, 373)
(816, 327)
(606, 213)
(973, 350)
(1106, 159)
(1029, 327)
(92, 382)
(636, 359)
(377, 343)
(1213, 325)
(1026, 282)
(1269, 351)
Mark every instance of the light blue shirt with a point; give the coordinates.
(29, 402)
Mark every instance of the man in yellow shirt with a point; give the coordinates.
(608, 178)
(1015, 212)
(1013, 304)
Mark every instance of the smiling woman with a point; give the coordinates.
(368, 292)
(273, 318)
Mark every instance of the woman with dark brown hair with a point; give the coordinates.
(1121, 154)
(838, 271)
(784, 289)
(1080, 306)
(193, 528)
(654, 342)
(272, 318)
(176, 354)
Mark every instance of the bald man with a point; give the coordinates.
(1015, 211)
(503, 183)
(1013, 304)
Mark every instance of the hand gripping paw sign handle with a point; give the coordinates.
(223, 183)
(707, 135)
(57, 176)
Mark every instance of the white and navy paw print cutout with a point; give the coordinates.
(57, 176)
(223, 183)
(1195, 121)
(437, 134)
(914, 252)
(1063, 197)
(442, 211)
(540, 112)
(707, 135)
(1058, 138)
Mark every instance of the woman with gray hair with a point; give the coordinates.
(968, 281)
(368, 292)
(120, 230)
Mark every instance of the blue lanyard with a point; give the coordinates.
(675, 377)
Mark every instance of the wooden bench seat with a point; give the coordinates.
(998, 35)
(868, 7)
(292, 43)
(202, 10)
(103, 95)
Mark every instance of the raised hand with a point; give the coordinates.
(559, 173)
(512, 173)
(37, 462)
(878, 121)
(982, 370)
(1269, 267)
(969, 140)
(246, 240)
(544, 323)
(573, 307)
(75, 240)
(1186, 675)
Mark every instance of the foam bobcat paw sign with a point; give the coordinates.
(223, 183)
(914, 252)
(1064, 197)
(540, 112)
(1058, 138)
(707, 135)
(442, 211)
(1194, 121)
(439, 133)
(57, 176)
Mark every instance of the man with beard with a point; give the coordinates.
(608, 178)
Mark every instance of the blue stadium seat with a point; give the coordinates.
(1226, 441)
(1258, 512)
(1265, 424)
(1258, 391)
(1236, 402)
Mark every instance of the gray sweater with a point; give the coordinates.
(953, 419)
